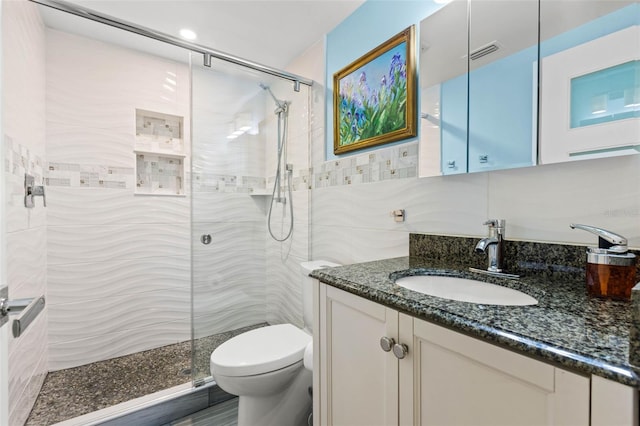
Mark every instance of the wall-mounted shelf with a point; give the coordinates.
(159, 173)
(159, 150)
(159, 132)
(261, 193)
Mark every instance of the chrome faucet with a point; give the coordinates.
(493, 244)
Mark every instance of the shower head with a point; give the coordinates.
(281, 105)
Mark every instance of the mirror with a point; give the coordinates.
(444, 42)
(503, 84)
(589, 79)
(479, 110)
(588, 84)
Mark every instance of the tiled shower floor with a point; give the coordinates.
(75, 391)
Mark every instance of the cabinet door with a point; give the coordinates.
(358, 380)
(459, 380)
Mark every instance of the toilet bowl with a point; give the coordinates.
(264, 367)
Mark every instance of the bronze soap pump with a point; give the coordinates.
(611, 269)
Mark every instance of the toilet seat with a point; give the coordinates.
(260, 351)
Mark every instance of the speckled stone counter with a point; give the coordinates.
(566, 327)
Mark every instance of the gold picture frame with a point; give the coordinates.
(374, 98)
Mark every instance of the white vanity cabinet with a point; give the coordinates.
(446, 378)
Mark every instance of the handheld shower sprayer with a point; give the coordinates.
(282, 113)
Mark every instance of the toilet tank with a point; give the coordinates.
(307, 288)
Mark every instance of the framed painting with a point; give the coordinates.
(374, 99)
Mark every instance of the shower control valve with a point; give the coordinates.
(32, 190)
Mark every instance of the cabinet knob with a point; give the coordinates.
(386, 343)
(400, 350)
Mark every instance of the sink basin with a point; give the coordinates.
(465, 290)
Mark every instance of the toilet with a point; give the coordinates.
(264, 367)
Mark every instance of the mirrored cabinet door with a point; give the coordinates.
(589, 79)
(516, 83)
(479, 82)
(503, 84)
(443, 91)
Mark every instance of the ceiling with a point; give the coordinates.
(269, 32)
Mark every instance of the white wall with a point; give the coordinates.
(351, 221)
(118, 263)
(23, 39)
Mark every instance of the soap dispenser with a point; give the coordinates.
(611, 269)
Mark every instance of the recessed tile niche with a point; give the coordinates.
(159, 150)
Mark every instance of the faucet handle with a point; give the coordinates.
(495, 223)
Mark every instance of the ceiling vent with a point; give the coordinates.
(484, 50)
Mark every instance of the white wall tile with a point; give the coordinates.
(27, 262)
(27, 368)
(23, 142)
(98, 85)
(73, 353)
(220, 321)
(100, 317)
(100, 243)
(89, 206)
(231, 208)
(78, 144)
(451, 205)
(235, 253)
(539, 203)
(102, 280)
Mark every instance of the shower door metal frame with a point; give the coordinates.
(207, 52)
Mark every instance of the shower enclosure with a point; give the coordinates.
(159, 175)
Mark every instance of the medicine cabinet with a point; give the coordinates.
(519, 83)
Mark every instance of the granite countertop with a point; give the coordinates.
(566, 327)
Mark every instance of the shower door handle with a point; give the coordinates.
(28, 308)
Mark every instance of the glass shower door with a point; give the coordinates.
(241, 276)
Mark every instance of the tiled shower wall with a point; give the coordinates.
(284, 290)
(118, 263)
(23, 42)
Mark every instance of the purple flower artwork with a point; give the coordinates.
(372, 100)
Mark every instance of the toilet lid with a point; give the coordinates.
(260, 351)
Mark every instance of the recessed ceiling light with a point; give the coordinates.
(188, 34)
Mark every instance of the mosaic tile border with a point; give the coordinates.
(74, 175)
(399, 162)
(19, 159)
